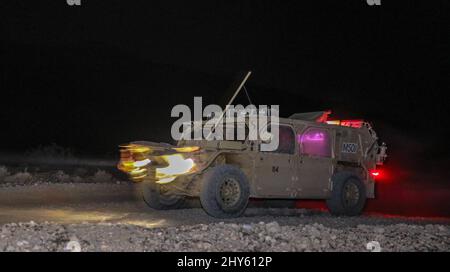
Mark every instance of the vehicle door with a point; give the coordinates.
(315, 147)
(275, 170)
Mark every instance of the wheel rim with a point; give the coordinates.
(351, 194)
(229, 192)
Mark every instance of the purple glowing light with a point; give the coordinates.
(313, 137)
(315, 142)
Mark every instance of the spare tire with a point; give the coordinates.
(225, 192)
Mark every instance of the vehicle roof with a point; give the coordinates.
(289, 121)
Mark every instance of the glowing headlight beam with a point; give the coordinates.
(186, 149)
(178, 165)
(165, 180)
(141, 163)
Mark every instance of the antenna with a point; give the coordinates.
(248, 96)
(231, 101)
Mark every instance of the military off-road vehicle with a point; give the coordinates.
(316, 159)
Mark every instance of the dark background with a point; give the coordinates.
(93, 76)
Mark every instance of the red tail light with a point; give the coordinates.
(375, 173)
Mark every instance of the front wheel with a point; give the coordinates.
(225, 192)
(348, 196)
(159, 197)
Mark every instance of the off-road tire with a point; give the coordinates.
(212, 193)
(339, 203)
(151, 193)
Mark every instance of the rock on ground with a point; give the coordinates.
(262, 236)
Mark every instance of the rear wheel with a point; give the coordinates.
(225, 192)
(348, 196)
(159, 196)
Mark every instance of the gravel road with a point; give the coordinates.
(112, 217)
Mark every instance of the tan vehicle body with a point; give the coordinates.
(295, 174)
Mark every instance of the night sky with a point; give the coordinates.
(93, 76)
